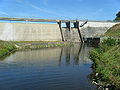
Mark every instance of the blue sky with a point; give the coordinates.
(60, 9)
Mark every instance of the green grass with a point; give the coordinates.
(114, 31)
(38, 45)
(6, 48)
(106, 60)
(35, 41)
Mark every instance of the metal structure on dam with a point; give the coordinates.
(74, 30)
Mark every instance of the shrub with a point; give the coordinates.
(106, 60)
(111, 41)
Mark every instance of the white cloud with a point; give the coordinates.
(3, 13)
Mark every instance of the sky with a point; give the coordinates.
(60, 9)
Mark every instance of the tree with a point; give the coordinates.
(117, 16)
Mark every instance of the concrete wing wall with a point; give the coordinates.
(99, 24)
(29, 32)
(91, 32)
(95, 29)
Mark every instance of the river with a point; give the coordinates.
(61, 68)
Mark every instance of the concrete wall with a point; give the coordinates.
(29, 32)
(72, 35)
(99, 24)
(95, 29)
(51, 32)
(90, 30)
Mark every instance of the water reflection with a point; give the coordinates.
(63, 68)
(77, 54)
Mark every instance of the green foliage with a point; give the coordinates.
(3, 52)
(106, 60)
(6, 48)
(117, 16)
(38, 45)
(111, 41)
(94, 55)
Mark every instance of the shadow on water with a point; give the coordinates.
(92, 41)
(62, 68)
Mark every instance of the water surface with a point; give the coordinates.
(62, 68)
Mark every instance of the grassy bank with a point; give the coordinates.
(106, 60)
(40, 44)
(7, 47)
(106, 64)
(114, 31)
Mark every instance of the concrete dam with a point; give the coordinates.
(29, 32)
(53, 32)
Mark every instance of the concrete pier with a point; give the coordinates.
(68, 25)
(62, 34)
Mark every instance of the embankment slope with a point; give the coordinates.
(114, 31)
(106, 60)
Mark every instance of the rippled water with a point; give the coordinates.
(63, 68)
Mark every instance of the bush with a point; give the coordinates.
(94, 54)
(111, 41)
(106, 60)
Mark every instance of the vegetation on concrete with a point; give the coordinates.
(6, 48)
(114, 31)
(106, 58)
(40, 44)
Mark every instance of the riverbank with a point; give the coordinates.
(106, 61)
(7, 47)
(40, 44)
